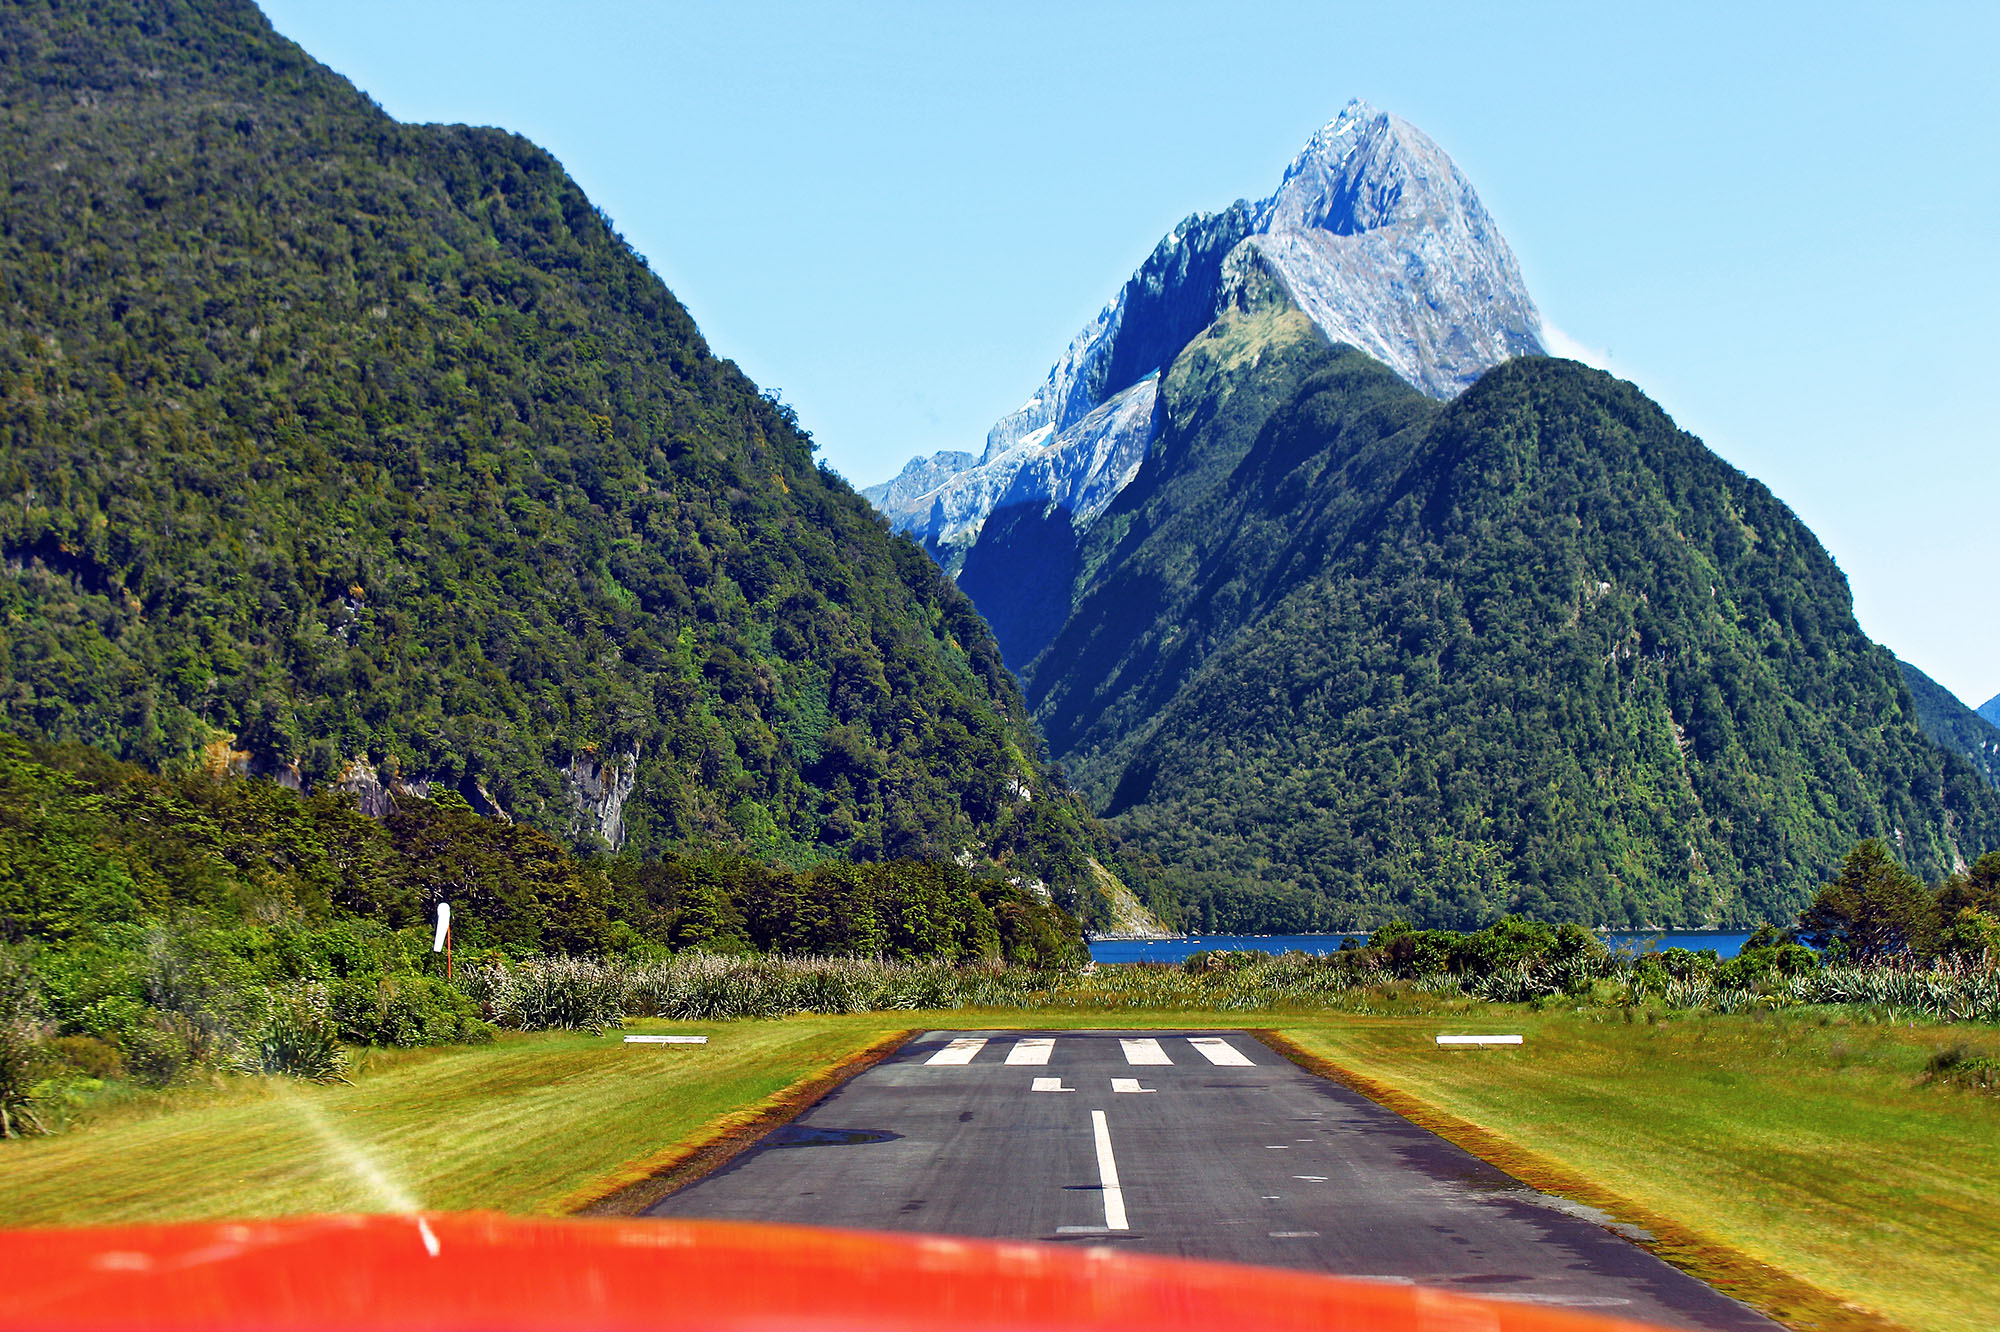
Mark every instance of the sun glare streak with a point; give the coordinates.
(385, 1190)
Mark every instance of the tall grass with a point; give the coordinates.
(592, 995)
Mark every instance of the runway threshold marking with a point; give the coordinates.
(1051, 1084)
(1107, 1174)
(1218, 1051)
(960, 1051)
(1128, 1085)
(1141, 1050)
(1031, 1050)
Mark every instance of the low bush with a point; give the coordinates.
(1961, 1066)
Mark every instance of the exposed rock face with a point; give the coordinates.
(597, 790)
(1373, 233)
(360, 780)
(1381, 240)
(375, 795)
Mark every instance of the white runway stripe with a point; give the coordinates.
(1128, 1085)
(1144, 1050)
(1031, 1050)
(959, 1051)
(1218, 1051)
(1107, 1174)
(1051, 1085)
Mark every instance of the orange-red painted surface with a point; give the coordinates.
(472, 1271)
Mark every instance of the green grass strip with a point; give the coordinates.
(1800, 1162)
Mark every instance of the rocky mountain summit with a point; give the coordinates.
(1374, 234)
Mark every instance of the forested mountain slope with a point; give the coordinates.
(371, 453)
(1952, 726)
(1341, 654)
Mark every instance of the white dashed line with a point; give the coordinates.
(959, 1051)
(1218, 1051)
(1142, 1050)
(1031, 1050)
(1107, 1174)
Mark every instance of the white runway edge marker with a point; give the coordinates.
(1143, 1050)
(960, 1051)
(1031, 1050)
(1128, 1085)
(1479, 1040)
(666, 1040)
(1107, 1174)
(1218, 1051)
(1051, 1084)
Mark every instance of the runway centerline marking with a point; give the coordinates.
(1140, 1050)
(1107, 1174)
(1129, 1085)
(1050, 1084)
(1218, 1051)
(960, 1051)
(1031, 1050)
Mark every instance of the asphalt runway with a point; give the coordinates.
(1197, 1144)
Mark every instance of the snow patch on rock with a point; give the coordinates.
(1374, 234)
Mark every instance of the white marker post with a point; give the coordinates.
(441, 941)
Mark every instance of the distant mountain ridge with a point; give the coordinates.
(1990, 709)
(1952, 726)
(1373, 233)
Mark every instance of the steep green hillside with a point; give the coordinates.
(1341, 654)
(1952, 726)
(371, 452)
(1223, 518)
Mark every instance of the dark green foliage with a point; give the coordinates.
(1510, 944)
(1340, 654)
(328, 438)
(907, 910)
(1874, 910)
(166, 923)
(299, 1037)
(1952, 726)
(1768, 952)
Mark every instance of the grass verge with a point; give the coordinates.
(537, 1123)
(639, 1184)
(1798, 1161)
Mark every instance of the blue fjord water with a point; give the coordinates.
(1726, 943)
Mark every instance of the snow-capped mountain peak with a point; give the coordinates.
(1373, 233)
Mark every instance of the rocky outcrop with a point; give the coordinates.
(598, 789)
(1373, 233)
(371, 795)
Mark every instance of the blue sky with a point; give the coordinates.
(1783, 222)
